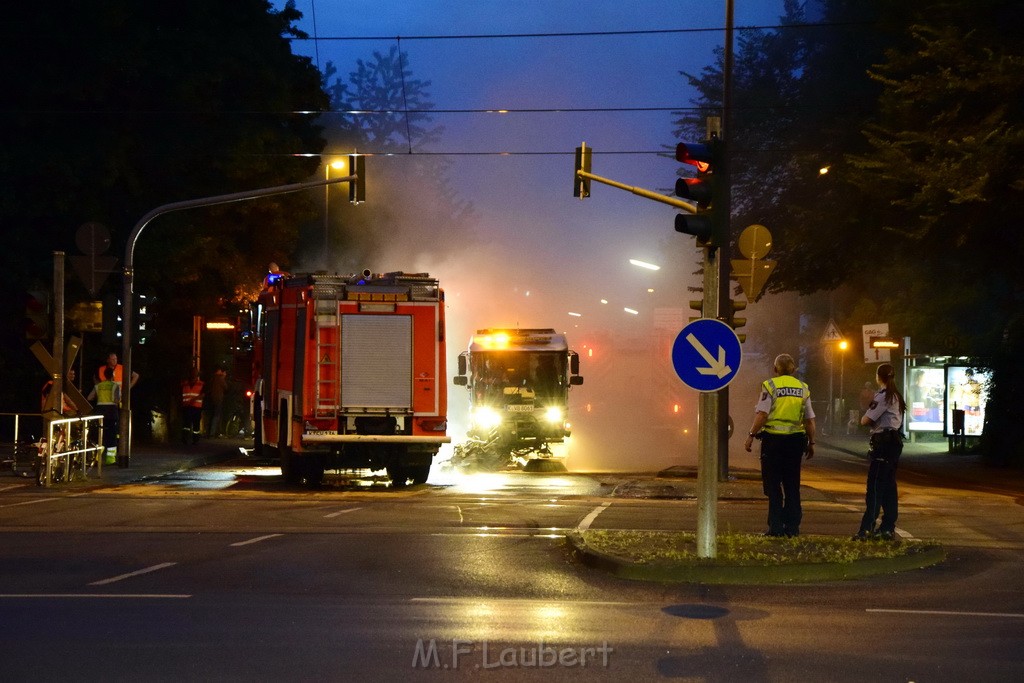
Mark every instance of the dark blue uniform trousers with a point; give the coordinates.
(780, 479)
(884, 455)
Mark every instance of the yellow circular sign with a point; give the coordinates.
(755, 241)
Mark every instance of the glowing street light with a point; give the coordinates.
(631, 311)
(644, 264)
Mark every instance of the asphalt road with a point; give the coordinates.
(224, 573)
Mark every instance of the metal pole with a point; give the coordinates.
(708, 432)
(327, 209)
(124, 440)
(57, 388)
(722, 420)
(831, 393)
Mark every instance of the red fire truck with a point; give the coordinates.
(349, 373)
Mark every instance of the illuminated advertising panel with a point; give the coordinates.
(926, 399)
(966, 390)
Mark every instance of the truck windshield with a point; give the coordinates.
(539, 373)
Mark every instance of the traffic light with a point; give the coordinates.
(581, 186)
(144, 316)
(697, 305)
(37, 314)
(113, 324)
(357, 188)
(704, 190)
(730, 317)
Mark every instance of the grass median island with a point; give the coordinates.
(742, 558)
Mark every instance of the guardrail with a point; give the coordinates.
(71, 446)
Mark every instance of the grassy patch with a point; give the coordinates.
(657, 547)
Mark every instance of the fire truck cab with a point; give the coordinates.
(349, 373)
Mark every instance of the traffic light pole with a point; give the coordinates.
(124, 442)
(709, 411)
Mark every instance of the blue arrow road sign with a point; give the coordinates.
(706, 354)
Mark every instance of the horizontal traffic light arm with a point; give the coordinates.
(664, 199)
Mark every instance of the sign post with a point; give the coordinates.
(706, 356)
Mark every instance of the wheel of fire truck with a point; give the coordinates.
(258, 447)
(313, 473)
(291, 468)
(403, 466)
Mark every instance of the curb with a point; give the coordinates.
(710, 572)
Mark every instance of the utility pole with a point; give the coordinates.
(124, 442)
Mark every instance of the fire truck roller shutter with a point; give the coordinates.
(377, 357)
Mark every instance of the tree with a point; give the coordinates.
(133, 105)
(393, 106)
(945, 173)
(913, 109)
(415, 218)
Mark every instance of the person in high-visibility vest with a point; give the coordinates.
(784, 421)
(107, 394)
(191, 407)
(68, 407)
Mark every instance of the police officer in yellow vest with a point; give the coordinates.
(784, 421)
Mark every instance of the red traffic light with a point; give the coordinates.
(695, 154)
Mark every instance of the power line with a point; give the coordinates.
(584, 34)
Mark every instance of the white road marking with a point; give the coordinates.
(948, 613)
(121, 577)
(255, 540)
(28, 502)
(120, 596)
(341, 512)
(12, 486)
(589, 519)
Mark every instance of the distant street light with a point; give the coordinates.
(631, 311)
(644, 264)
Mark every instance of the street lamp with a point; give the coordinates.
(336, 164)
(644, 264)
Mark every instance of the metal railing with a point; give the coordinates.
(71, 446)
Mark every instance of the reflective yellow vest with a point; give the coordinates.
(787, 413)
(106, 393)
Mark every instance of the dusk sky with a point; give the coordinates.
(543, 243)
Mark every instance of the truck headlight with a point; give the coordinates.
(553, 414)
(485, 417)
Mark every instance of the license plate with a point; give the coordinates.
(519, 408)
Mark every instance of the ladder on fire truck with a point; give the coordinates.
(328, 356)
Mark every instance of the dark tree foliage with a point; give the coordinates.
(413, 217)
(112, 109)
(946, 167)
(915, 110)
(393, 106)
